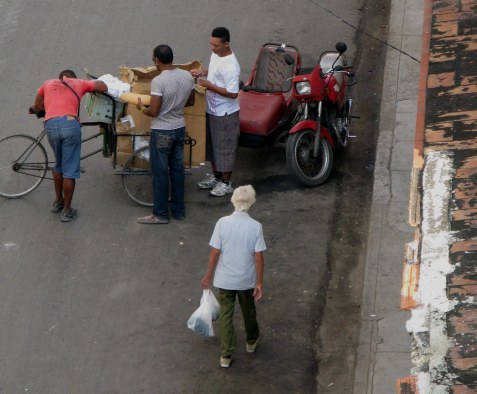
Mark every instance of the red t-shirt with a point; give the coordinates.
(61, 101)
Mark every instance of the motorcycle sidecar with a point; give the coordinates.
(267, 106)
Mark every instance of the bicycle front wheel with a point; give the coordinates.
(23, 165)
(137, 177)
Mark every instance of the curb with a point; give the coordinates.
(411, 269)
(418, 161)
(411, 265)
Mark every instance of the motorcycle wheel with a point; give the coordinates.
(310, 171)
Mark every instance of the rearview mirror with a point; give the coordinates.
(341, 47)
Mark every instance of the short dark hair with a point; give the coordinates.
(164, 54)
(222, 33)
(67, 73)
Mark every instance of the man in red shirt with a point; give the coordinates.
(60, 98)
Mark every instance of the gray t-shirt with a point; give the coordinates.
(175, 87)
(238, 237)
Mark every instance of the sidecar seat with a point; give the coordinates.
(273, 72)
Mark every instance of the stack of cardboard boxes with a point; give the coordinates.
(131, 137)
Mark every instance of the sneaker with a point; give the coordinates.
(250, 347)
(209, 182)
(70, 214)
(225, 361)
(151, 219)
(221, 189)
(57, 206)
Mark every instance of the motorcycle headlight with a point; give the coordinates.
(303, 87)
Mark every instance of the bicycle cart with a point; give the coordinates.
(24, 161)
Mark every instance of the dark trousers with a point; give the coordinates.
(228, 338)
(167, 165)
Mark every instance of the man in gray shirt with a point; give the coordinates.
(171, 91)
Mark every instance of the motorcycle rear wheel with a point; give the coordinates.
(306, 169)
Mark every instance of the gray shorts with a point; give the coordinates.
(222, 134)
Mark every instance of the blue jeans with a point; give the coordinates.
(167, 165)
(64, 136)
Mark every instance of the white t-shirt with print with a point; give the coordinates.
(224, 72)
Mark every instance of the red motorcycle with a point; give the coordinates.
(308, 113)
(326, 117)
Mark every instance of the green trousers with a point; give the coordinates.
(228, 338)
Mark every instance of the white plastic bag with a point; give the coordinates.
(201, 320)
(115, 87)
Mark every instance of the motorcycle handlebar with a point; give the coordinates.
(339, 69)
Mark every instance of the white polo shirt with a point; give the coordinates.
(238, 237)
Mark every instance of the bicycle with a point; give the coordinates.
(24, 161)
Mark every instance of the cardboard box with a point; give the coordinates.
(140, 77)
(199, 106)
(122, 128)
(124, 144)
(127, 144)
(140, 80)
(121, 158)
(142, 123)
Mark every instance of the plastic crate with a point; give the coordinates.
(100, 107)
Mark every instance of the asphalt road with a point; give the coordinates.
(100, 305)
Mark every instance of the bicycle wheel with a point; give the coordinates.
(23, 165)
(137, 178)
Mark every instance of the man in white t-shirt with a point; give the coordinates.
(237, 259)
(222, 108)
(171, 91)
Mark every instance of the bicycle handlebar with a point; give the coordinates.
(39, 113)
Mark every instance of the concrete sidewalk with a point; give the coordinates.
(432, 109)
(384, 352)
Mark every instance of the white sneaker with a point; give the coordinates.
(225, 361)
(250, 347)
(221, 189)
(208, 182)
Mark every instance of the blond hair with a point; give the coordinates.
(243, 197)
